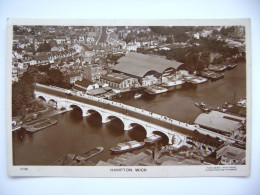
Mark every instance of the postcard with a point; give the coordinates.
(128, 98)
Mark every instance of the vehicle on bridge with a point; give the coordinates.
(68, 92)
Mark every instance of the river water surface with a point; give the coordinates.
(76, 134)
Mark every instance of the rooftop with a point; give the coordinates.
(115, 77)
(84, 83)
(138, 64)
(232, 152)
(217, 120)
(97, 91)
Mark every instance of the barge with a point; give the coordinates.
(128, 146)
(39, 125)
(90, 153)
(156, 89)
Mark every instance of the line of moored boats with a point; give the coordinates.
(73, 159)
(212, 73)
(223, 108)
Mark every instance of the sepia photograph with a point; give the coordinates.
(128, 98)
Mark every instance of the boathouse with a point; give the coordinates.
(146, 67)
(220, 122)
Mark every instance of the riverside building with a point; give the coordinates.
(147, 69)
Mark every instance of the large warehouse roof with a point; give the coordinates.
(219, 121)
(138, 64)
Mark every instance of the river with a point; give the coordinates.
(76, 134)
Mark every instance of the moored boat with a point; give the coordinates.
(137, 95)
(231, 66)
(220, 109)
(195, 79)
(217, 68)
(90, 153)
(152, 139)
(217, 76)
(39, 125)
(16, 127)
(241, 102)
(207, 74)
(155, 89)
(202, 106)
(199, 80)
(128, 146)
(172, 83)
(73, 159)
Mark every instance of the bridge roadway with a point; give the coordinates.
(124, 109)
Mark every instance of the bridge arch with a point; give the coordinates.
(138, 132)
(165, 139)
(90, 111)
(41, 98)
(109, 117)
(136, 125)
(53, 102)
(76, 107)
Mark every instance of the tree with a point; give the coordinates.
(218, 60)
(55, 77)
(205, 58)
(45, 47)
(22, 94)
(191, 61)
(130, 37)
(44, 68)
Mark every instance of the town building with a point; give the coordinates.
(222, 123)
(82, 85)
(14, 75)
(231, 155)
(51, 56)
(74, 77)
(94, 72)
(118, 81)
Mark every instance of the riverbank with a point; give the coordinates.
(39, 116)
(76, 134)
(166, 157)
(188, 81)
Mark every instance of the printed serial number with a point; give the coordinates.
(24, 169)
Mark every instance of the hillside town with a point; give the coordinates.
(87, 55)
(128, 62)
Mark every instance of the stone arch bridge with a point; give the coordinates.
(108, 110)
